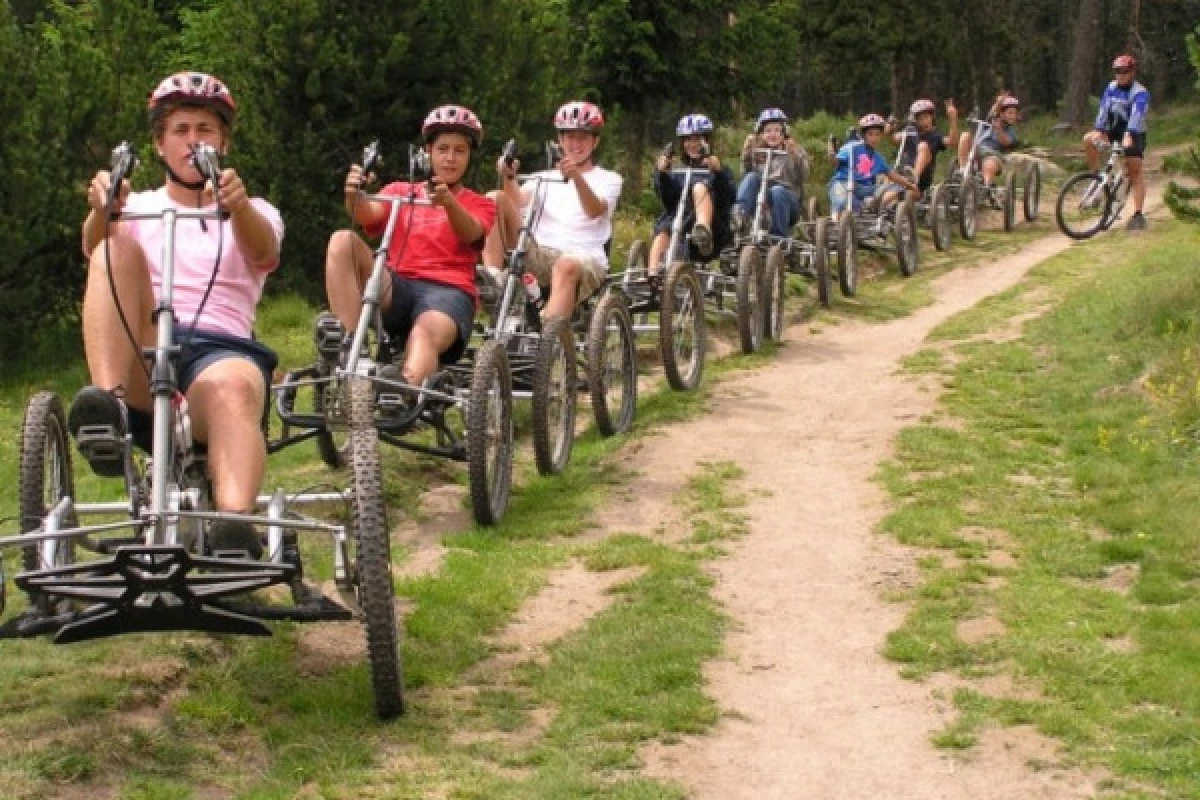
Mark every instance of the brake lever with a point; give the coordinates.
(207, 162)
(123, 162)
(370, 158)
(554, 154)
(510, 152)
(419, 164)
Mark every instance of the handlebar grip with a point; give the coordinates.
(123, 162)
(371, 158)
(510, 152)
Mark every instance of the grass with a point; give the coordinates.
(1077, 448)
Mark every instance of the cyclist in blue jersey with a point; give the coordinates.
(868, 164)
(1122, 118)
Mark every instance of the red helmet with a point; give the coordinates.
(1009, 101)
(871, 121)
(191, 89)
(579, 115)
(922, 106)
(1124, 61)
(455, 119)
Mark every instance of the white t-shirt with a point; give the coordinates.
(565, 226)
(238, 286)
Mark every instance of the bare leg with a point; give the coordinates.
(1134, 167)
(964, 149)
(1091, 148)
(230, 393)
(348, 265)
(657, 248)
(432, 334)
(112, 359)
(564, 285)
(991, 167)
(702, 202)
(503, 236)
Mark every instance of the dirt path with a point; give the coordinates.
(812, 708)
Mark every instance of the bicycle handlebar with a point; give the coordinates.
(371, 158)
(123, 162)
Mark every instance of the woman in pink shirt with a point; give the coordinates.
(223, 372)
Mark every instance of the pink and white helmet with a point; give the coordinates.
(455, 119)
(1009, 101)
(579, 115)
(871, 121)
(922, 106)
(191, 89)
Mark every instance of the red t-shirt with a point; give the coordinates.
(424, 246)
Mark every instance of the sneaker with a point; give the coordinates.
(1136, 223)
(234, 538)
(739, 221)
(98, 421)
(702, 238)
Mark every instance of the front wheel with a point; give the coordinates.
(681, 328)
(373, 561)
(821, 263)
(490, 433)
(968, 207)
(847, 240)
(1010, 200)
(1033, 191)
(45, 478)
(939, 217)
(554, 397)
(612, 365)
(1083, 205)
(905, 235)
(775, 294)
(749, 305)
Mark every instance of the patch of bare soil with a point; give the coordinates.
(572, 597)
(831, 718)
(979, 629)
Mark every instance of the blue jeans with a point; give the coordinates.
(783, 202)
(837, 195)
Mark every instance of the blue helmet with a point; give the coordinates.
(694, 125)
(770, 115)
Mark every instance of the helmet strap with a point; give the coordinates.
(195, 186)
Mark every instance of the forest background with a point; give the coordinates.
(315, 80)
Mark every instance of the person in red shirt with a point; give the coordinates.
(429, 303)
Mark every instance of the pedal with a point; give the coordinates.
(100, 443)
(328, 336)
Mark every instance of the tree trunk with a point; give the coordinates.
(635, 149)
(1083, 59)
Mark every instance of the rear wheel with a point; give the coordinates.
(45, 478)
(905, 235)
(681, 327)
(1010, 199)
(821, 263)
(612, 365)
(749, 305)
(490, 433)
(1033, 191)
(1083, 205)
(939, 217)
(775, 294)
(373, 562)
(554, 396)
(968, 207)
(847, 240)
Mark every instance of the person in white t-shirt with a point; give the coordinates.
(224, 373)
(567, 249)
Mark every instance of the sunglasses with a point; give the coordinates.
(1122, 71)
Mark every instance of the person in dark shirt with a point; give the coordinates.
(921, 142)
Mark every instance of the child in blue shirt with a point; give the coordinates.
(861, 159)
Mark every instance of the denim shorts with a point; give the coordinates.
(411, 298)
(198, 353)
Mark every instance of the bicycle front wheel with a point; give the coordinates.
(1083, 205)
